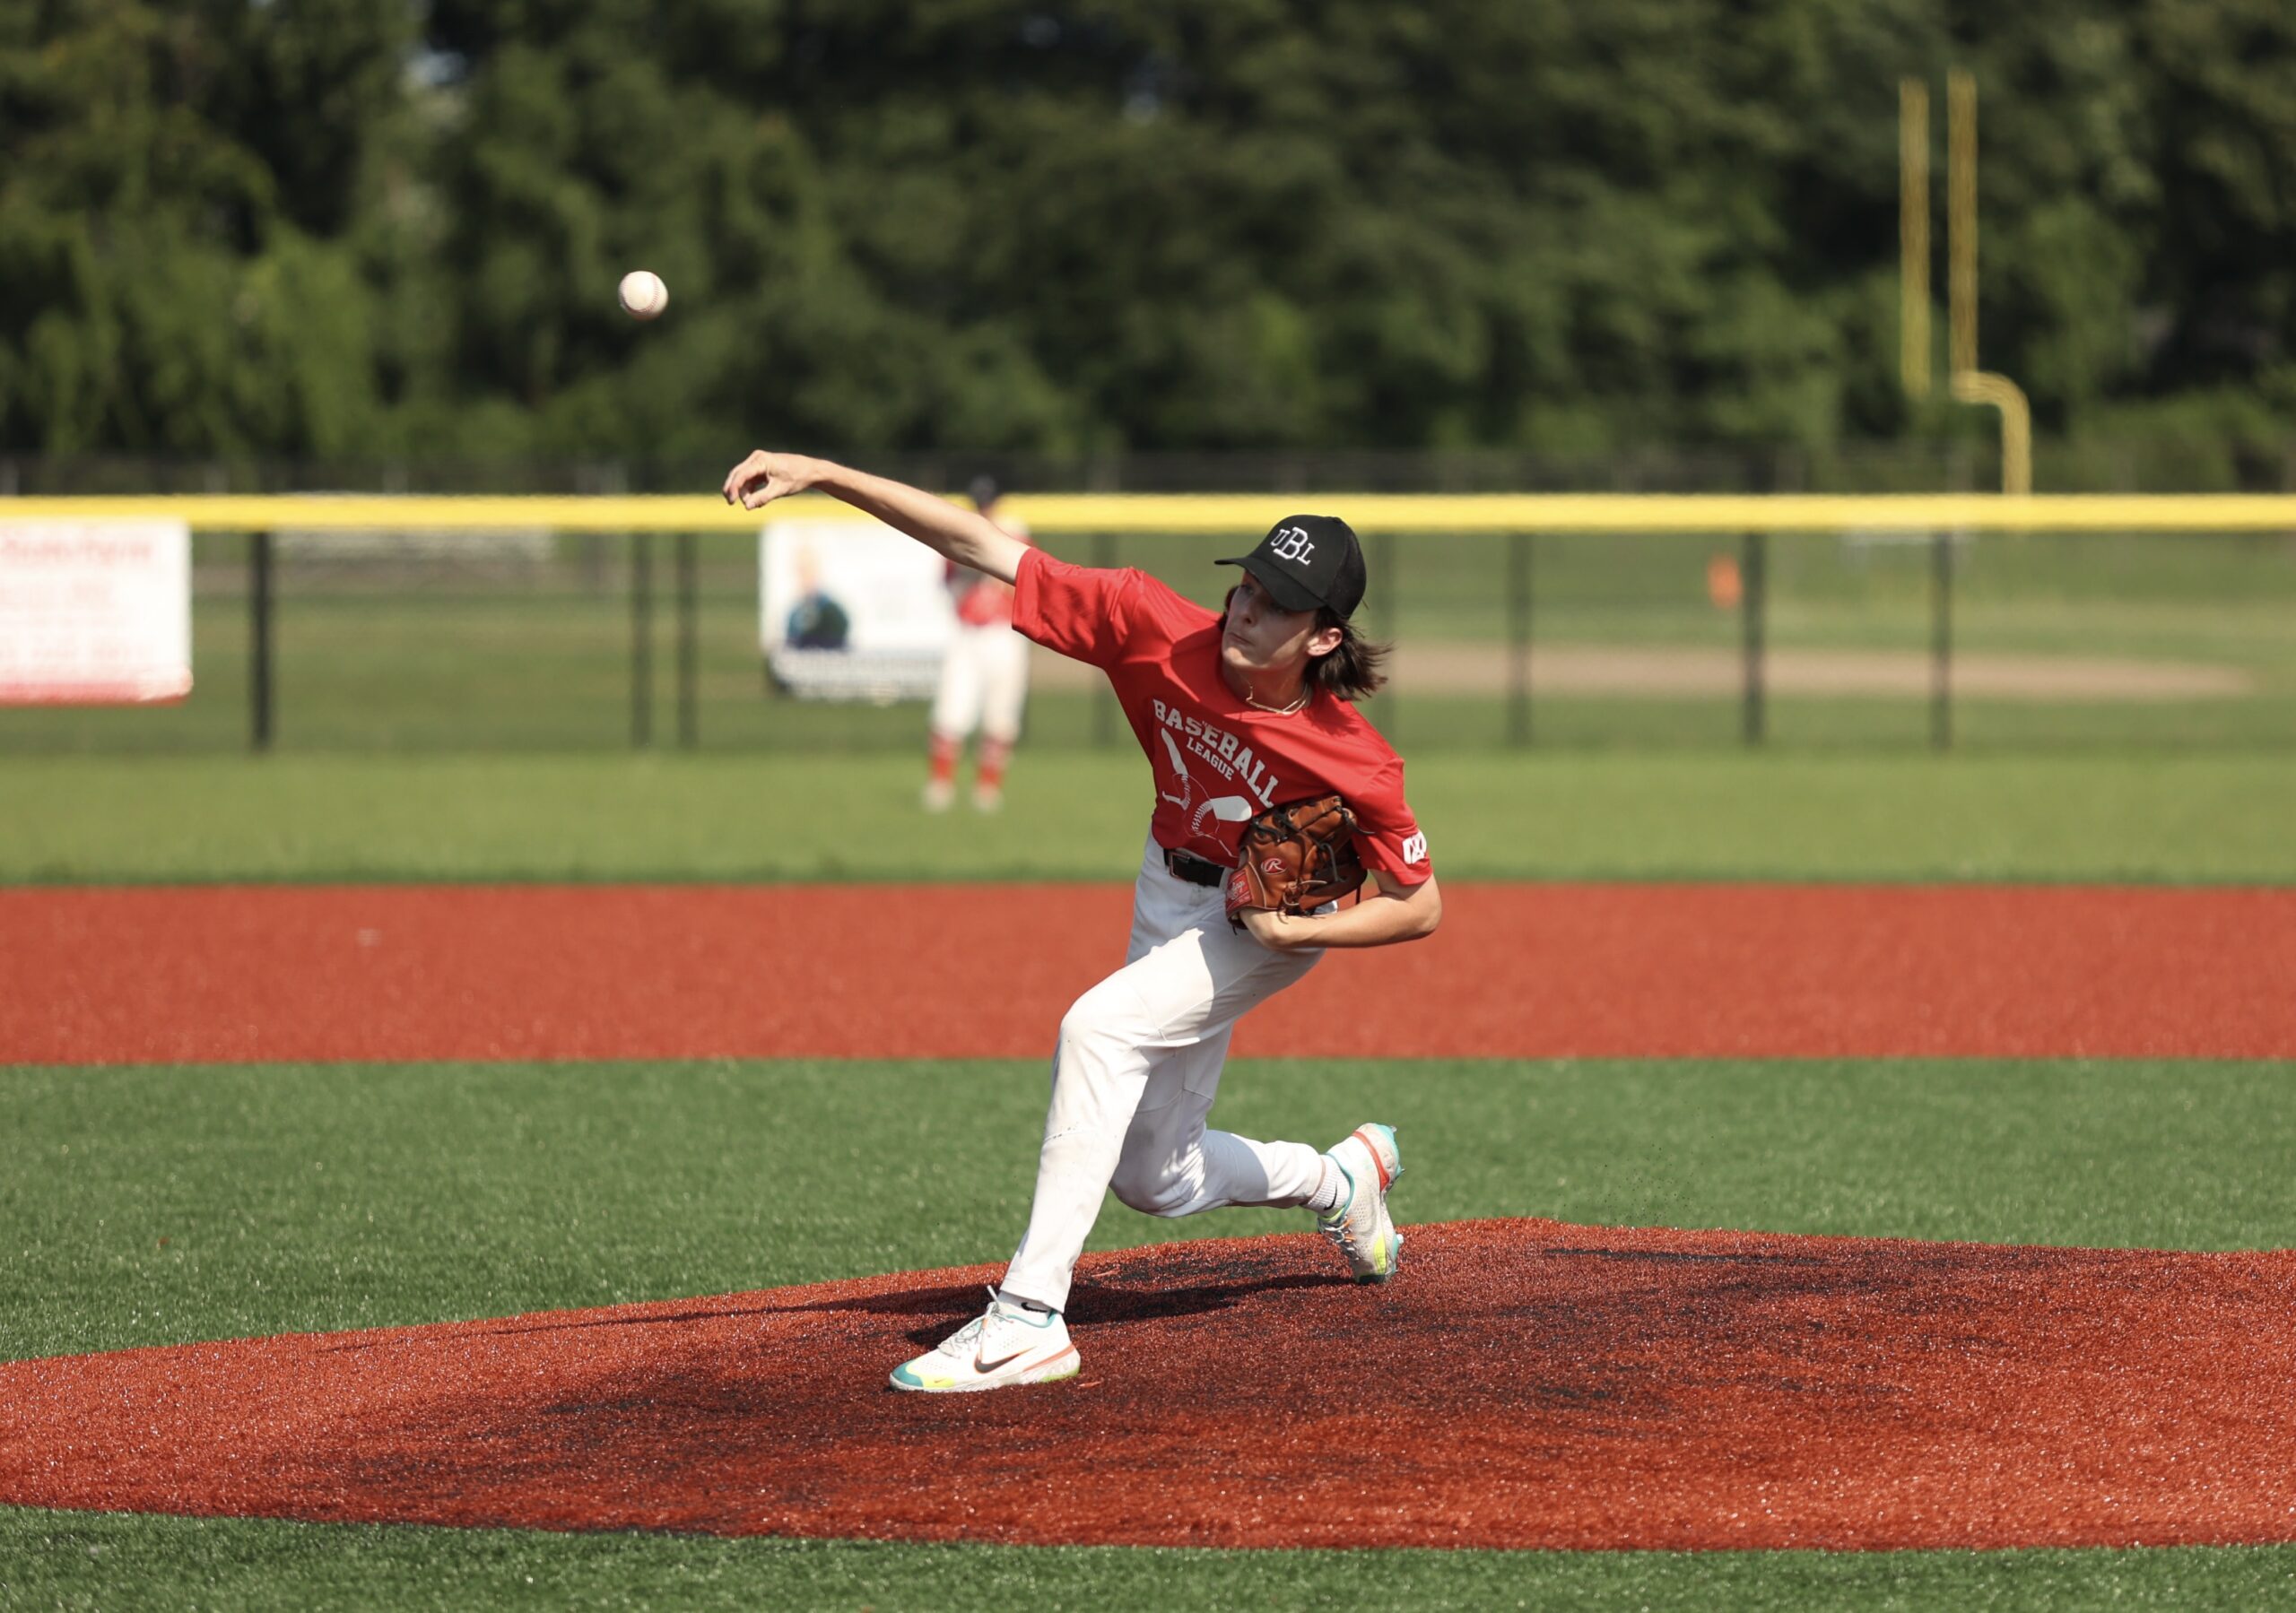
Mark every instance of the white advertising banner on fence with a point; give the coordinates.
(851, 611)
(94, 612)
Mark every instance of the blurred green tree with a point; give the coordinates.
(368, 228)
(180, 213)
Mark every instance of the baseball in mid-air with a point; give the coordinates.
(643, 294)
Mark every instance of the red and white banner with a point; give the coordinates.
(94, 612)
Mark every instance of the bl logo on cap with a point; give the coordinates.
(1309, 561)
(1291, 543)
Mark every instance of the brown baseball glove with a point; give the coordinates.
(1295, 858)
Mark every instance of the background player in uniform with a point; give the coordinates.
(1238, 710)
(984, 676)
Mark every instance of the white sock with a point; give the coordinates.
(1328, 1187)
(1014, 1302)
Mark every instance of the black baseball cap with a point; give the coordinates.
(1309, 561)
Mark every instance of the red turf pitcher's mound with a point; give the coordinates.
(1523, 1383)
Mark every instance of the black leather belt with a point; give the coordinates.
(1195, 870)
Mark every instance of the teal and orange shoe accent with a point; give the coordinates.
(1005, 1346)
(1370, 1162)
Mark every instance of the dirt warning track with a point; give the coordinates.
(1522, 1383)
(215, 973)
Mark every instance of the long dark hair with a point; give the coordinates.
(1357, 668)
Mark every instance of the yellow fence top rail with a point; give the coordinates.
(1242, 514)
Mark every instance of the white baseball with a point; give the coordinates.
(643, 294)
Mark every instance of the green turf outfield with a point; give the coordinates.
(2219, 816)
(74, 1560)
(339, 1196)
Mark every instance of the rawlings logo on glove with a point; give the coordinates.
(1295, 858)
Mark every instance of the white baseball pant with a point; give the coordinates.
(1133, 1077)
(984, 683)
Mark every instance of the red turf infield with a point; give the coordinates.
(219, 974)
(1523, 1383)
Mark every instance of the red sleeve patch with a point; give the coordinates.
(1390, 838)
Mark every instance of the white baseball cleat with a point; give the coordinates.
(1369, 1164)
(1004, 1346)
(938, 793)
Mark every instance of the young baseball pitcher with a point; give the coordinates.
(1272, 794)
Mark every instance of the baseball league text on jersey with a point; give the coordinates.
(1238, 711)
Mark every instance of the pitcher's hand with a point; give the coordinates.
(762, 478)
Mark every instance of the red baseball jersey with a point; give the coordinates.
(1217, 762)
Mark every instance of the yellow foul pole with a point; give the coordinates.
(1980, 387)
(1960, 213)
(1969, 384)
(1913, 236)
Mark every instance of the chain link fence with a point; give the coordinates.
(542, 641)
